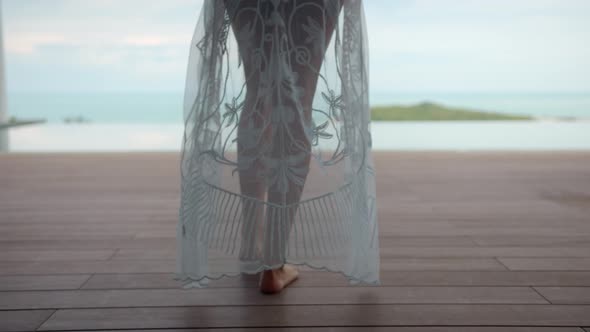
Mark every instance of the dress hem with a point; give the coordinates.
(191, 281)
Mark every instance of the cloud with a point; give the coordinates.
(414, 44)
(480, 45)
(32, 24)
(127, 40)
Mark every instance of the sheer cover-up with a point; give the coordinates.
(276, 163)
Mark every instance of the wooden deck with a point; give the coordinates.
(469, 242)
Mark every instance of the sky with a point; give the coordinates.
(414, 45)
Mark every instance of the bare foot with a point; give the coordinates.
(273, 281)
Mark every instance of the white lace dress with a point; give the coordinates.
(276, 162)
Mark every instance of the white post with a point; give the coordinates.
(4, 144)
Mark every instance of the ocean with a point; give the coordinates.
(166, 107)
(153, 122)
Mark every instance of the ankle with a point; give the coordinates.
(273, 272)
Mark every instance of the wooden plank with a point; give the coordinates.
(480, 252)
(468, 211)
(84, 243)
(165, 280)
(534, 241)
(570, 264)
(321, 315)
(566, 295)
(86, 267)
(42, 282)
(168, 265)
(388, 278)
(380, 329)
(23, 320)
(401, 251)
(250, 296)
(496, 230)
(441, 264)
(66, 236)
(55, 254)
(426, 241)
(88, 243)
(163, 243)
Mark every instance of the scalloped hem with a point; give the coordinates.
(191, 281)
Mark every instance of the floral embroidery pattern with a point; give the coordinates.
(279, 85)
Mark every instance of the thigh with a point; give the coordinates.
(310, 26)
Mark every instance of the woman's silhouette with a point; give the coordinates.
(267, 121)
(289, 138)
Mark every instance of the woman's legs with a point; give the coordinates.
(252, 125)
(285, 139)
(251, 185)
(292, 141)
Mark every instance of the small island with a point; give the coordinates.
(428, 111)
(16, 122)
(76, 119)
